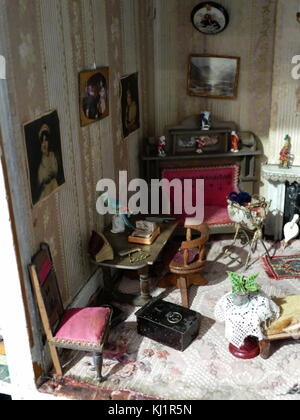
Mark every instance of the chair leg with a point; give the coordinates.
(55, 359)
(227, 250)
(182, 284)
(265, 347)
(98, 363)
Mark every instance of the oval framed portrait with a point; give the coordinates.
(210, 18)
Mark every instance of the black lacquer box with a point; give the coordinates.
(169, 324)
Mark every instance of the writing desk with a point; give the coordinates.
(119, 242)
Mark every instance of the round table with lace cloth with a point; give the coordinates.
(247, 323)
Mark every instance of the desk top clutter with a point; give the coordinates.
(246, 320)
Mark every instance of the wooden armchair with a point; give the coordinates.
(83, 329)
(185, 265)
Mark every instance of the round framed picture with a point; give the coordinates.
(210, 18)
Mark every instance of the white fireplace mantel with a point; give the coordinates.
(273, 173)
(277, 179)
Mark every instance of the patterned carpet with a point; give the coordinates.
(206, 370)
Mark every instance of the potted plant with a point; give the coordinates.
(242, 287)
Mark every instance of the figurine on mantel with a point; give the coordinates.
(161, 147)
(234, 142)
(200, 143)
(285, 153)
(205, 120)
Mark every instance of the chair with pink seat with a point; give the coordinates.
(83, 329)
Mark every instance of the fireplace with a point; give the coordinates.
(292, 201)
(283, 190)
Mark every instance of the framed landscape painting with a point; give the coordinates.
(213, 76)
(93, 95)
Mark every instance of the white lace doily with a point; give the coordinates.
(246, 320)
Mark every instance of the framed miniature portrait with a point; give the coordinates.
(44, 156)
(210, 18)
(130, 104)
(213, 76)
(93, 95)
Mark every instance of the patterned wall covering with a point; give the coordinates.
(286, 91)
(250, 35)
(54, 40)
(264, 33)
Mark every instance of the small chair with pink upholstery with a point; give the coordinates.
(83, 329)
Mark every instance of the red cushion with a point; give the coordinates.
(83, 326)
(179, 256)
(213, 215)
(216, 215)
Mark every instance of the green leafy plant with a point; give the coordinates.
(243, 285)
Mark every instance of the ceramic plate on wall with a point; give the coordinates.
(210, 18)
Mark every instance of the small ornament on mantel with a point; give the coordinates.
(200, 143)
(235, 140)
(161, 147)
(285, 155)
(205, 120)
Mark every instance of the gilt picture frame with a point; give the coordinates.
(93, 95)
(213, 76)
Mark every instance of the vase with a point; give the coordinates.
(240, 299)
(118, 224)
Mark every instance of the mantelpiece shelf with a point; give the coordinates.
(194, 156)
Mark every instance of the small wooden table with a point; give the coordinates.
(119, 242)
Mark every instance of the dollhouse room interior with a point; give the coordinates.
(150, 200)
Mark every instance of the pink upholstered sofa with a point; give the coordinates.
(219, 182)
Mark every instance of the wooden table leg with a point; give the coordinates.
(182, 284)
(145, 295)
(111, 284)
(265, 348)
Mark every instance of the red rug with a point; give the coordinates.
(278, 268)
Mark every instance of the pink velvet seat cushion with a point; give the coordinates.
(213, 215)
(83, 326)
(179, 256)
(216, 215)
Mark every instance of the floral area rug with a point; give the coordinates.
(205, 370)
(282, 267)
